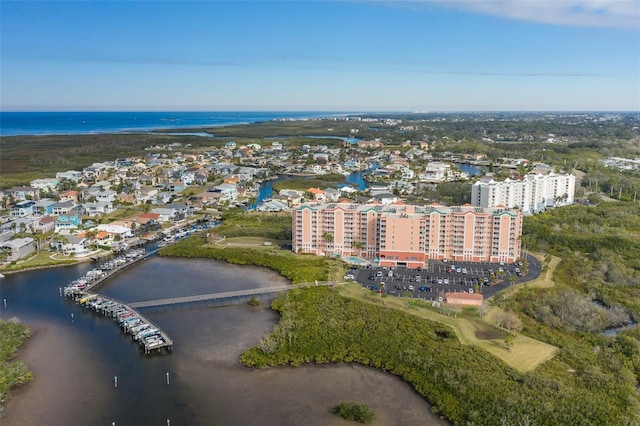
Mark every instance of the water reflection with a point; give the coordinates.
(76, 360)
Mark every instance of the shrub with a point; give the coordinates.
(352, 411)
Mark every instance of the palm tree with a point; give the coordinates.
(357, 245)
(328, 239)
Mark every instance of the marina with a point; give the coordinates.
(149, 336)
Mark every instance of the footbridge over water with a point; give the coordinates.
(225, 298)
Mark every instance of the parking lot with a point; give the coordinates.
(432, 282)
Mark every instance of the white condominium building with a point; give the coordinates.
(531, 194)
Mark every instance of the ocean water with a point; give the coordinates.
(68, 123)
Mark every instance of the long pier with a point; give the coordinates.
(146, 332)
(230, 297)
(211, 297)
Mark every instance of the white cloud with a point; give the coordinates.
(584, 13)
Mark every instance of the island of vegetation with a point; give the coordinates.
(12, 372)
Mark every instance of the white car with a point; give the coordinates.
(349, 277)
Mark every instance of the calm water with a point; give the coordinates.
(46, 123)
(75, 360)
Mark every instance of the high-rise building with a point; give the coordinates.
(531, 194)
(408, 235)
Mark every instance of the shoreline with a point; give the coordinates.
(70, 376)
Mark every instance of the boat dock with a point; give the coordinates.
(147, 334)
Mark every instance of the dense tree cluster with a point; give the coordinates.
(297, 268)
(465, 384)
(12, 373)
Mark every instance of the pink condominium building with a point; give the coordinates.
(408, 235)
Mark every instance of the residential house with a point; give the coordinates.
(71, 195)
(67, 223)
(44, 224)
(71, 175)
(118, 232)
(332, 194)
(176, 186)
(19, 248)
(43, 207)
(98, 208)
(22, 208)
(273, 206)
(317, 194)
(46, 184)
(146, 194)
(228, 191)
(62, 207)
(107, 196)
(23, 193)
(173, 212)
(76, 245)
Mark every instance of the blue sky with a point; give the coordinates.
(430, 55)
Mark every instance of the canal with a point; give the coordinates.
(76, 355)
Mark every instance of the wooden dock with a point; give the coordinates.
(228, 297)
(121, 311)
(212, 297)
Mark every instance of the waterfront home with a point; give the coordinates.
(173, 212)
(75, 245)
(19, 248)
(117, 231)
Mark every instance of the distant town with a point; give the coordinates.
(103, 206)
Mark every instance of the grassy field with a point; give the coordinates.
(526, 353)
(253, 242)
(40, 260)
